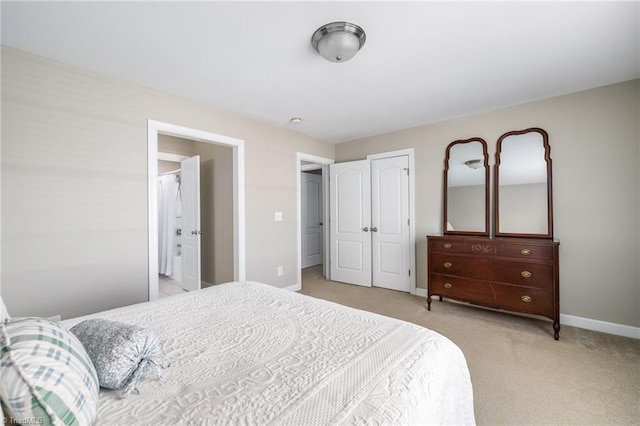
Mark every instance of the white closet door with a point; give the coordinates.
(191, 232)
(390, 223)
(350, 219)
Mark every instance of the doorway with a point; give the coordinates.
(178, 206)
(195, 214)
(312, 217)
(312, 180)
(156, 128)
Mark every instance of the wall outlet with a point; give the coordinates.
(280, 271)
(278, 216)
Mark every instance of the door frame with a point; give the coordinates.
(410, 152)
(323, 162)
(157, 127)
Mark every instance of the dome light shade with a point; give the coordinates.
(474, 164)
(338, 41)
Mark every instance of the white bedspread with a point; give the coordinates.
(250, 354)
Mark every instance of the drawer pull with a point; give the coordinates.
(525, 274)
(447, 246)
(447, 285)
(525, 252)
(526, 299)
(447, 265)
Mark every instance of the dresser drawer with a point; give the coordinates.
(448, 245)
(525, 299)
(495, 295)
(519, 273)
(461, 288)
(535, 250)
(528, 251)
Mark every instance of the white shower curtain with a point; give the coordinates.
(167, 194)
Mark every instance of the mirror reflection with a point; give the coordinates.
(522, 183)
(466, 184)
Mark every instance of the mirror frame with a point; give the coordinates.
(485, 156)
(496, 182)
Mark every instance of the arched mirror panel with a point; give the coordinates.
(522, 194)
(466, 188)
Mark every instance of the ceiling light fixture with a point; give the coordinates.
(338, 41)
(295, 120)
(474, 164)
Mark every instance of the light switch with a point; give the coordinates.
(278, 216)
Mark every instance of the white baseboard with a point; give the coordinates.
(602, 326)
(295, 287)
(586, 323)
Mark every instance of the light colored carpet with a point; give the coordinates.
(520, 374)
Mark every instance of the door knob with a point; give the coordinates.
(365, 229)
(374, 229)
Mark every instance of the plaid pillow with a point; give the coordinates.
(3, 311)
(46, 375)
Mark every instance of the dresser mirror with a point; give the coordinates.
(466, 188)
(523, 185)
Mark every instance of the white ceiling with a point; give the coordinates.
(423, 62)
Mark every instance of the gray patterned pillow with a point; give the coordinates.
(122, 354)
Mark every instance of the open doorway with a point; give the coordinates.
(170, 219)
(195, 214)
(231, 157)
(312, 187)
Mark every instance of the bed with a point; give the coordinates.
(248, 353)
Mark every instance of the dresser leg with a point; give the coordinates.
(428, 303)
(556, 329)
(441, 298)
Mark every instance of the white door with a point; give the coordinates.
(390, 223)
(312, 233)
(350, 219)
(190, 187)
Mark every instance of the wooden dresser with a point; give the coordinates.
(514, 274)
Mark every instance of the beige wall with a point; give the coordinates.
(523, 209)
(595, 143)
(216, 200)
(466, 207)
(74, 176)
(74, 186)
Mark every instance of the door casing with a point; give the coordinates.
(158, 127)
